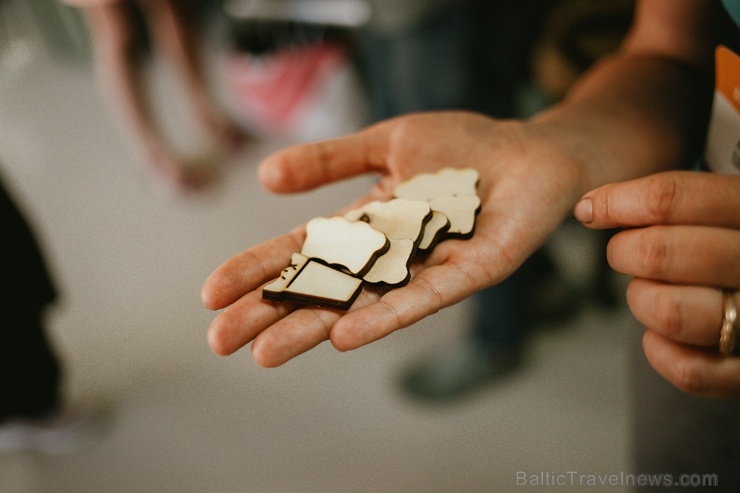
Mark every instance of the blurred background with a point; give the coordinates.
(129, 257)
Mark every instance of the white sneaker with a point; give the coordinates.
(56, 434)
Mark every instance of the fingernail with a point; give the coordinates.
(268, 175)
(584, 211)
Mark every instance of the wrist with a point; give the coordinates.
(567, 152)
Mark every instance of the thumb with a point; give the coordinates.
(308, 166)
(670, 198)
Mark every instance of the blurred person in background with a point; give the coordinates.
(174, 27)
(33, 415)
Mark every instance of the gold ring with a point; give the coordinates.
(728, 334)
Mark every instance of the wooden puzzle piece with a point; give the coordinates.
(337, 241)
(307, 280)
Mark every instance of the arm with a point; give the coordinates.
(645, 108)
(630, 116)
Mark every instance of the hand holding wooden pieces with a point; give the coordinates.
(376, 243)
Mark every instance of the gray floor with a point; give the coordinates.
(131, 329)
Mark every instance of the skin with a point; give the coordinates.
(643, 110)
(682, 242)
(120, 69)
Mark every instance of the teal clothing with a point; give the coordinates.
(733, 8)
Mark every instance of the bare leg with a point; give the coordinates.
(119, 66)
(178, 36)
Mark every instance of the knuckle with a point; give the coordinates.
(325, 160)
(654, 256)
(603, 209)
(667, 315)
(432, 293)
(688, 377)
(660, 197)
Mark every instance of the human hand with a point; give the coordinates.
(682, 246)
(527, 186)
(178, 174)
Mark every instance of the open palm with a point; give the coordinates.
(527, 186)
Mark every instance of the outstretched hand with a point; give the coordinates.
(527, 186)
(682, 246)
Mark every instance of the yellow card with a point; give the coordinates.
(722, 153)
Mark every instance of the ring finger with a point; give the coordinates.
(685, 314)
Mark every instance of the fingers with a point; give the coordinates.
(665, 198)
(282, 331)
(678, 254)
(691, 369)
(279, 331)
(308, 166)
(428, 292)
(681, 343)
(243, 321)
(299, 332)
(685, 314)
(248, 270)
